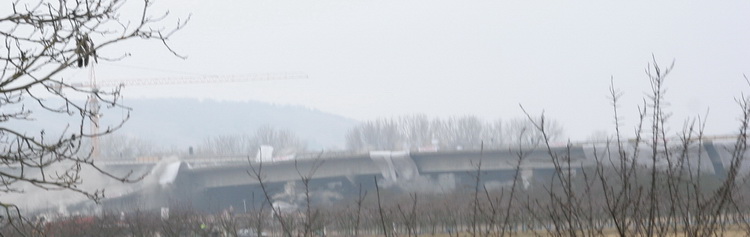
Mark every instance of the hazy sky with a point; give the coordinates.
(369, 59)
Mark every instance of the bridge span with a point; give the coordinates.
(219, 182)
(391, 166)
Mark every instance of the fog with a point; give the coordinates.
(531, 109)
(368, 60)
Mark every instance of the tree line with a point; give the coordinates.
(418, 132)
(414, 132)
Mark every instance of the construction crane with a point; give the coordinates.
(93, 99)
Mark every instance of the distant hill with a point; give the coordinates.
(188, 122)
(185, 122)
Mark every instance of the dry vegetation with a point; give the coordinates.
(645, 186)
(653, 188)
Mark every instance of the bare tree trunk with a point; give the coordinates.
(380, 208)
(360, 199)
(257, 174)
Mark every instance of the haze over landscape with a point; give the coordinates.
(368, 60)
(374, 118)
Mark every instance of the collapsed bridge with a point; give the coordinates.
(218, 183)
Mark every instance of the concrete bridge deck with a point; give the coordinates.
(225, 181)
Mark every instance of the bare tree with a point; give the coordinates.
(243, 144)
(42, 40)
(476, 205)
(140, 224)
(256, 172)
(522, 131)
(380, 209)
(312, 220)
(409, 217)
(227, 145)
(651, 185)
(381, 134)
(359, 202)
(119, 146)
(258, 216)
(417, 130)
(413, 132)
